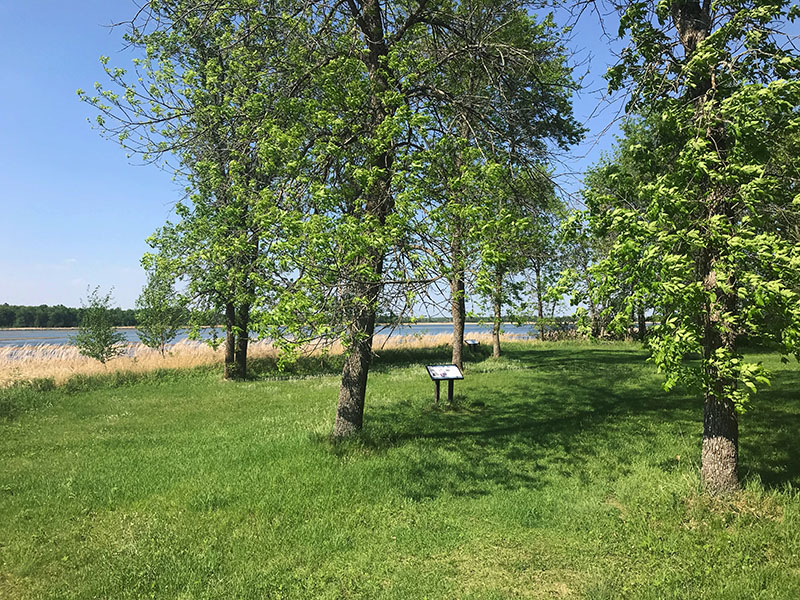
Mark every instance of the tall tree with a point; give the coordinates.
(504, 99)
(363, 167)
(544, 254)
(299, 124)
(514, 240)
(719, 83)
(201, 93)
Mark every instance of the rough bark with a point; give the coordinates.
(720, 453)
(458, 311)
(361, 296)
(352, 392)
(497, 305)
(693, 22)
(539, 301)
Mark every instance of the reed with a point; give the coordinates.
(60, 362)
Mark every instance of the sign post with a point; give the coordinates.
(448, 373)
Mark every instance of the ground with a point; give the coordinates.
(562, 471)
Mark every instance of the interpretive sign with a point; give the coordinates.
(472, 344)
(444, 372)
(448, 373)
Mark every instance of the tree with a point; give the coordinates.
(6, 315)
(711, 243)
(201, 92)
(159, 313)
(581, 278)
(361, 170)
(544, 254)
(505, 100)
(514, 240)
(639, 158)
(300, 156)
(97, 337)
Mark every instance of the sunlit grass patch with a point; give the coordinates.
(555, 475)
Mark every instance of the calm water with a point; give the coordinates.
(21, 337)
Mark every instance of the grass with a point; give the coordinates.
(562, 471)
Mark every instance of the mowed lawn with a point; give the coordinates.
(562, 471)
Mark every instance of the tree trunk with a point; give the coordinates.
(539, 301)
(353, 389)
(642, 333)
(361, 297)
(458, 311)
(458, 306)
(230, 341)
(242, 340)
(720, 455)
(497, 304)
(593, 316)
(631, 333)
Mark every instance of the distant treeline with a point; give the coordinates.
(55, 316)
(63, 316)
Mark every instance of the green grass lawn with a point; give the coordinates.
(562, 471)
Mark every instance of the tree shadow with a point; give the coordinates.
(525, 434)
(569, 413)
(768, 433)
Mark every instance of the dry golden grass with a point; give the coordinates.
(60, 362)
(431, 341)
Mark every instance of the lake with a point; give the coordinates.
(22, 337)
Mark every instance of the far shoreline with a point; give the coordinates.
(377, 325)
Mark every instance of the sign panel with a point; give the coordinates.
(444, 372)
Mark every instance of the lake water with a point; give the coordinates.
(22, 337)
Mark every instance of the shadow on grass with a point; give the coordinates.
(589, 413)
(768, 433)
(555, 414)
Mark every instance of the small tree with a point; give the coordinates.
(97, 337)
(159, 313)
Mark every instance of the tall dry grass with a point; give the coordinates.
(61, 362)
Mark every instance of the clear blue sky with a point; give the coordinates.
(74, 211)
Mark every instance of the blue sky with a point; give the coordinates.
(75, 211)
